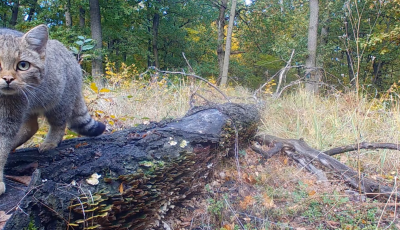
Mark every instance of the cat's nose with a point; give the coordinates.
(8, 79)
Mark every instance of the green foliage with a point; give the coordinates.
(265, 33)
(31, 226)
(82, 48)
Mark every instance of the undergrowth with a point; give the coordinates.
(276, 194)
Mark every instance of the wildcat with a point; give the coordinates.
(39, 76)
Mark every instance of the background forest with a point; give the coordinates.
(138, 58)
(357, 41)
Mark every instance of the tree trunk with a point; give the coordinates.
(350, 65)
(156, 23)
(68, 17)
(221, 35)
(312, 74)
(82, 13)
(95, 26)
(14, 15)
(144, 172)
(224, 78)
(32, 9)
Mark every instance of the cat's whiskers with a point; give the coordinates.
(34, 96)
(26, 96)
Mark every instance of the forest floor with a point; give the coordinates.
(277, 193)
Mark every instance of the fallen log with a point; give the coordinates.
(302, 153)
(143, 172)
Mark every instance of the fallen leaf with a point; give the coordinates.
(333, 224)
(121, 188)
(248, 200)
(26, 180)
(3, 219)
(311, 193)
(268, 201)
(285, 161)
(229, 226)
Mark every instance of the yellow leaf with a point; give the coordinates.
(104, 90)
(111, 122)
(268, 201)
(311, 193)
(121, 187)
(112, 116)
(285, 161)
(248, 200)
(93, 86)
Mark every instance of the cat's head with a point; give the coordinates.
(22, 61)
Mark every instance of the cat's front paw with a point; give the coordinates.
(46, 146)
(2, 188)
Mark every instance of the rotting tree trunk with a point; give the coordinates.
(144, 172)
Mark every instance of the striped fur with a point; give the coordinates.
(39, 77)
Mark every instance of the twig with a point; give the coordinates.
(190, 75)
(362, 145)
(234, 213)
(298, 81)
(282, 73)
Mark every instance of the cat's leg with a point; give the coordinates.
(27, 130)
(57, 119)
(9, 127)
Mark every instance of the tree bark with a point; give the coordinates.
(221, 35)
(156, 23)
(313, 75)
(14, 15)
(32, 9)
(82, 13)
(144, 172)
(68, 17)
(95, 26)
(224, 78)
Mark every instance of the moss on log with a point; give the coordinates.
(145, 171)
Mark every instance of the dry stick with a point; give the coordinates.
(282, 73)
(368, 186)
(270, 79)
(298, 81)
(191, 75)
(362, 145)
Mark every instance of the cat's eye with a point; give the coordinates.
(23, 65)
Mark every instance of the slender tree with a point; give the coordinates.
(14, 15)
(224, 77)
(82, 13)
(32, 9)
(313, 75)
(222, 5)
(156, 24)
(95, 26)
(68, 17)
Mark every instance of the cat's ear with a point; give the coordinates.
(37, 38)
